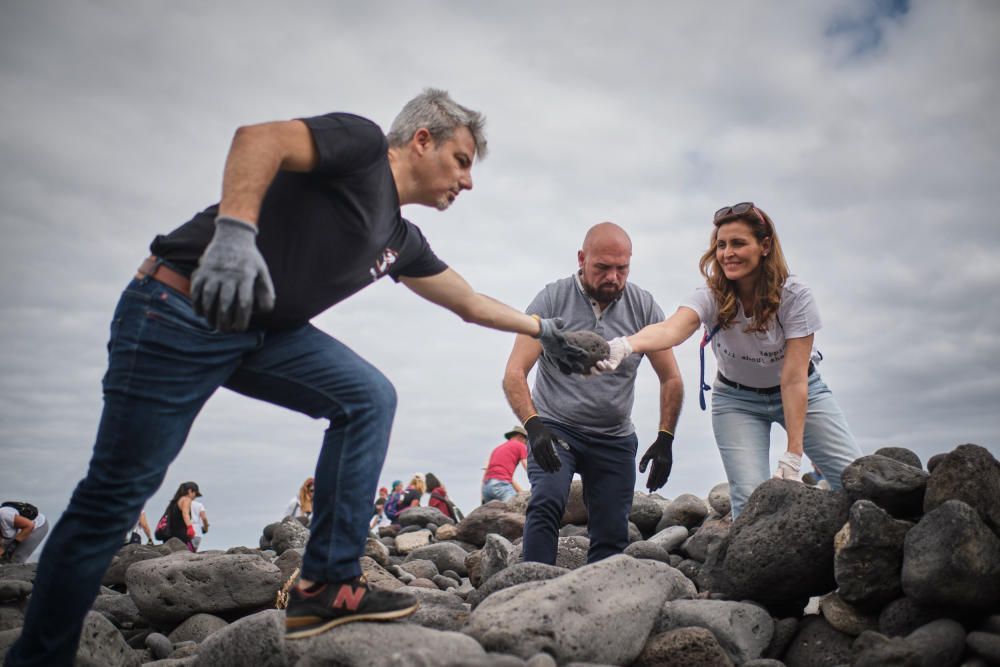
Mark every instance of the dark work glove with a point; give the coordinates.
(568, 357)
(662, 455)
(543, 444)
(231, 277)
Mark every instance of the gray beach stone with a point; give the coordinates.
(258, 640)
(493, 517)
(445, 555)
(719, 499)
(571, 552)
(710, 532)
(682, 647)
(366, 644)
(518, 573)
(669, 538)
(413, 540)
(377, 551)
(420, 568)
(102, 645)
(126, 556)
(12, 590)
(937, 644)
(170, 589)
(289, 534)
(743, 630)
(902, 455)
(159, 645)
(985, 644)
(901, 617)
(495, 555)
(844, 617)
(378, 576)
(120, 609)
(421, 516)
(647, 549)
(196, 629)
(645, 513)
(818, 644)
(686, 510)
(601, 612)
(576, 508)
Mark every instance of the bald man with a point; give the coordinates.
(583, 425)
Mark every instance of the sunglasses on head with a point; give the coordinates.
(727, 213)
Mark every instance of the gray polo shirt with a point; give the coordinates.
(601, 404)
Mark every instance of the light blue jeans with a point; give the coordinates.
(742, 422)
(495, 489)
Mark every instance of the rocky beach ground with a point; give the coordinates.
(902, 567)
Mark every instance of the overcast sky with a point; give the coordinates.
(862, 127)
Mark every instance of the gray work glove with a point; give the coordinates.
(231, 277)
(568, 357)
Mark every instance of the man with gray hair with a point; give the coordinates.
(310, 214)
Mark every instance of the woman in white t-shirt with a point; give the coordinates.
(762, 322)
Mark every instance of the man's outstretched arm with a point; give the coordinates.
(450, 290)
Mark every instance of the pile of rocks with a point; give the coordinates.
(902, 567)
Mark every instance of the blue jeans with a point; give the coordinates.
(607, 467)
(742, 422)
(495, 489)
(164, 364)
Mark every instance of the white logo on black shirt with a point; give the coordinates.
(388, 258)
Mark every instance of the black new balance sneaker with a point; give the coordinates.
(334, 604)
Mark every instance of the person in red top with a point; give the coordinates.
(498, 481)
(439, 498)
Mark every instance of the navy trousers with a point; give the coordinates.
(607, 468)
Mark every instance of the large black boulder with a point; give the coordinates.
(869, 556)
(781, 546)
(952, 558)
(896, 487)
(970, 474)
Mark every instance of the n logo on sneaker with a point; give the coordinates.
(349, 597)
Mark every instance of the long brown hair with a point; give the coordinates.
(772, 273)
(306, 496)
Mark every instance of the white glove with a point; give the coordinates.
(620, 349)
(789, 465)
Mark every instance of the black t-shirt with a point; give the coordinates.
(324, 234)
(411, 495)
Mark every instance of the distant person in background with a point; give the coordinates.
(498, 480)
(20, 535)
(379, 518)
(439, 498)
(383, 494)
(414, 492)
(393, 503)
(134, 536)
(200, 520)
(761, 321)
(179, 523)
(301, 506)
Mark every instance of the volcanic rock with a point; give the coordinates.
(743, 630)
(869, 556)
(952, 558)
(781, 547)
(896, 487)
(170, 589)
(681, 647)
(971, 474)
(493, 517)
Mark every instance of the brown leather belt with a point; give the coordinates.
(153, 268)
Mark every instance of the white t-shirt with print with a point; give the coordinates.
(756, 359)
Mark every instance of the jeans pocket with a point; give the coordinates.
(175, 310)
